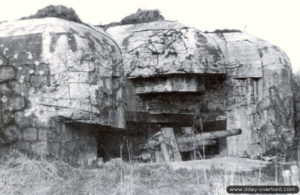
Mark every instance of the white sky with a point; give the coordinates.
(272, 20)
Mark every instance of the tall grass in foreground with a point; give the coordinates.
(21, 175)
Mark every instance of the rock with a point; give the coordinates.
(30, 134)
(7, 117)
(13, 102)
(19, 88)
(22, 120)
(39, 81)
(5, 88)
(11, 134)
(24, 72)
(7, 73)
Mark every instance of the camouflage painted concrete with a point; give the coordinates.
(255, 94)
(53, 70)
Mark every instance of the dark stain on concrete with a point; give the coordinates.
(276, 48)
(22, 49)
(71, 41)
(285, 74)
(91, 42)
(260, 53)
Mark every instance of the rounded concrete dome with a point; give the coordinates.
(168, 47)
(165, 47)
(57, 68)
(239, 75)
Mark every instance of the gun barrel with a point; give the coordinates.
(208, 136)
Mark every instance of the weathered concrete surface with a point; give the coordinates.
(73, 142)
(164, 47)
(246, 79)
(226, 163)
(296, 93)
(188, 83)
(53, 71)
(52, 68)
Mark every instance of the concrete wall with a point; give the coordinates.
(52, 68)
(255, 94)
(54, 72)
(74, 143)
(296, 93)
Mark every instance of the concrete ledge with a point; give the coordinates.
(226, 163)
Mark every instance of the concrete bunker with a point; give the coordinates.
(140, 142)
(175, 118)
(62, 76)
(177, 115)
(174, 70)
(75, 93)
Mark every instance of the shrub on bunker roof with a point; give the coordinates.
(142, 16)
(58, 11)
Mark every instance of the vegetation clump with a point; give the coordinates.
(57, 11)
(20, 174)
(141, 16)
(224, 31)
